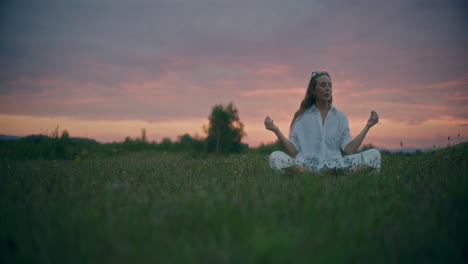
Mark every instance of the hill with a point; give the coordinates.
(7, 137)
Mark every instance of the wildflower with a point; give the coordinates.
(77, 159)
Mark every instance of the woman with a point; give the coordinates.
(318, 131)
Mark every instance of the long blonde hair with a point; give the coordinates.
(309, 98)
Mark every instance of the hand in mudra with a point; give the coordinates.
(373, 119)
(270, 125)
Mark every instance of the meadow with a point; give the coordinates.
(160, 207)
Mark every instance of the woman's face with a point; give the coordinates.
(323, 89)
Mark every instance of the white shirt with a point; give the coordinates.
(319, 145)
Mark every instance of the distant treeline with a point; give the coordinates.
(224, 135)
(68, 148)
(65, 147)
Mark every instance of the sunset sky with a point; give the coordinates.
(104, 69)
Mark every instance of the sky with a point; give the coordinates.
(105, 69)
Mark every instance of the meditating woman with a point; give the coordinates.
(318, 131)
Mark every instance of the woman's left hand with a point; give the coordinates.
(373, 119)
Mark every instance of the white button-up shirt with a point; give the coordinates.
(319, 145)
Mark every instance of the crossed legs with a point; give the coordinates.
(361, 162)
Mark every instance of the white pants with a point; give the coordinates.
(280, 160)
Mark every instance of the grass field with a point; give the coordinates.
(152, 207)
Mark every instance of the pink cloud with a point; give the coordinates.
(273, 69)
(458, 98)
(347, 84)
(273, 92)
(448, 84)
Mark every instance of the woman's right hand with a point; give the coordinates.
(270, 125)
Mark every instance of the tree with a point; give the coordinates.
(225, 131)
(65, 135)
(186, 139)
(143, 135)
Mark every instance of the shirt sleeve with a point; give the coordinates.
(345, 136)
(294, 137)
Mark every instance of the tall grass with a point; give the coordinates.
(162, 207)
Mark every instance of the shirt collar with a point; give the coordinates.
(313, 108)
